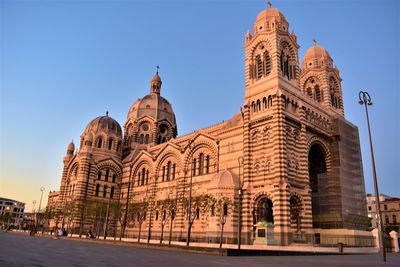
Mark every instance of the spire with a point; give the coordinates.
(315, 41)
(107, 113)
(157, 67)
(269, 4)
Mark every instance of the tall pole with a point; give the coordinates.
(365, 99)
(33, 211)
(240, 161)
(107, 213)
(127, 203)
(190, 206)
(40, 204)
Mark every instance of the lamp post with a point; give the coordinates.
(240, 192)
(365, 99)
(40, 204)
(192, 171)
(34, 212)
(127, 202)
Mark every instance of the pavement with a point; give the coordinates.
(18, 249)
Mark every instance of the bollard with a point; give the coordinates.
(340, 246)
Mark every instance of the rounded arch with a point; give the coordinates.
(285, 43)
(165, 156)
(109, 165)
(316, 140)
(198, 147)
(262, 41)
(263, 209)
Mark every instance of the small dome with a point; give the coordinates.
(224, 180)
(315, 56)
(102, 125)
(269, 14)
(156, 78)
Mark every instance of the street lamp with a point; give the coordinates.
(33, 210)
(127, 202)
(40, 203)
(365, 99)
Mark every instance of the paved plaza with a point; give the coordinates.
(24, 250)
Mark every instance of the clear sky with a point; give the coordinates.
(64, 63)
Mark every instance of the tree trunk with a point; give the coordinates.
(170, 233)
(162, 232)
(140, 231)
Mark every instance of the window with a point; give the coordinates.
(113, 178)
(201, 164)
(143, 176)
(269, 101)
(99, 142)
(267, 63)
(197, 213)
(207, 164)
(259, 67)
(112, 192)
(97, 190)
(212, 210)
(118, 146)
(385, 207)
(394, 219)
(146, 139)
(194, 167)
(138, 179)
(99, 175)
(163, 173)
(369, 208)
(105, 191)
(173, 171)
(386, 219)
(110, 143)
(169, 170)
(107, 174)
(318, 95)
(147, 177)
(156, 215)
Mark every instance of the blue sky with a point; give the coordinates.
(64, 63)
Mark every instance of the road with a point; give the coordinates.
(24, 250)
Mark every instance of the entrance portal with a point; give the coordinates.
(317, 174)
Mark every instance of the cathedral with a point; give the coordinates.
(286, 168)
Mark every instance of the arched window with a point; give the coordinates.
(105, 191)
(107, 174)
(267, 61)
(112, 192)
(198, 213)
(264, 103)
(118, 146)
(147, 177)
(269, 101)
(143, 176)
(212, 210)
(141, 139)
(318, 95)
(113, 178)
(310, 93)
(253, 105)
(97, 190)
(99, 175)
(99, 142)
(146, 139)
(207, 164)
(201, 164)
(169, 166)
(156, 215)
(138, 179)
(110, 143)
(259, 67)
(394, 219)
(173, 171)
(386, 219)
(163, 173)
(194, 167)
(258, 105)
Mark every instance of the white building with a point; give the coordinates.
(11, 211)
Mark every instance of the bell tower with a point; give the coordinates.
(271, 55)
(320, 79)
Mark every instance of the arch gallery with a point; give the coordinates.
(286, 166)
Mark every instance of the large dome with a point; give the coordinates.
(270, 19)
(103, 125)
(154, 106)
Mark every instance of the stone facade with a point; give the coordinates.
(288, 160)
